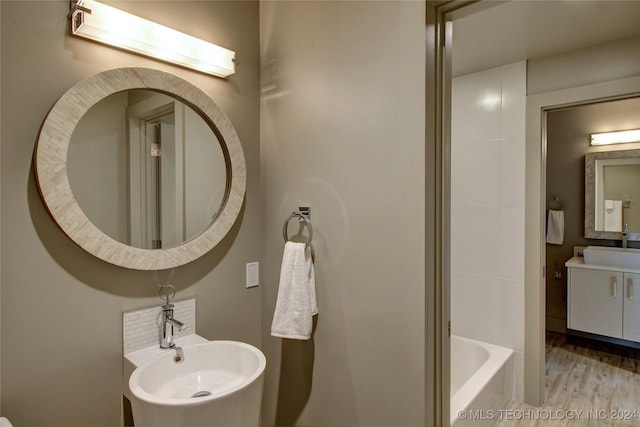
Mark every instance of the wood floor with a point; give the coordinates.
(587, 384)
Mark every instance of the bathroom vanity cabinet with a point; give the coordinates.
(601, 301)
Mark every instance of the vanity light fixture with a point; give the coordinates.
(105, 24)
(619, 137)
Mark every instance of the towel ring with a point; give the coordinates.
(302, 216)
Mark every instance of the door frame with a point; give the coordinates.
(438, 118)
(439, 17)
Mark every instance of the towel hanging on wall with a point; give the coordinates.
(555, 227)
(296, 304)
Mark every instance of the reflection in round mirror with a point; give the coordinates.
(106, 179)
(146, 169)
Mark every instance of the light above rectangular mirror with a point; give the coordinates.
(618, 137)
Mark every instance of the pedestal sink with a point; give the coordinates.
(214, 384)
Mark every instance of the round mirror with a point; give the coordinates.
(140, 168)
(146, 169)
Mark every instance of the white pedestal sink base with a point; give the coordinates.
(241, 409)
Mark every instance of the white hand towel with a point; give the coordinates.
(555, 227)
(613, 215)
(296, 304)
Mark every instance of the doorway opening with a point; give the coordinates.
(542, 96)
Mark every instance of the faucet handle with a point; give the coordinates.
(167, 292)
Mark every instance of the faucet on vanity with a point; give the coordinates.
(625, 235)
(168, 322)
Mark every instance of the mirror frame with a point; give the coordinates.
(50, 165)
(590, 231)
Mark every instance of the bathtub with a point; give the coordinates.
(482, 381)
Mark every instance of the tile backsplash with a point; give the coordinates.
(141, 328)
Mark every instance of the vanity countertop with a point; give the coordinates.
(578, 262)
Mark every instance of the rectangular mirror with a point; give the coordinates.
(612, 194)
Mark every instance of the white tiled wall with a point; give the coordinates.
(487, 206)
(141, 328)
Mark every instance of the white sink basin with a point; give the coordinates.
(217, 384)
(612, 257)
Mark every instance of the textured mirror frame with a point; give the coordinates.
(50, 165)
(590, 231)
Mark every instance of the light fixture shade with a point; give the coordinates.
(114, 27)
(619, 137)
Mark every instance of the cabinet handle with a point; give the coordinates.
(630, 288)
(614, 287)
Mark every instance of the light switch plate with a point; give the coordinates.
(253, 274)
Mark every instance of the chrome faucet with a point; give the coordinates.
(168, 322)
(625, 235)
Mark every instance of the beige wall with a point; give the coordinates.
(594, 64)
(343, 130)
(567, 143)
(61, 307)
